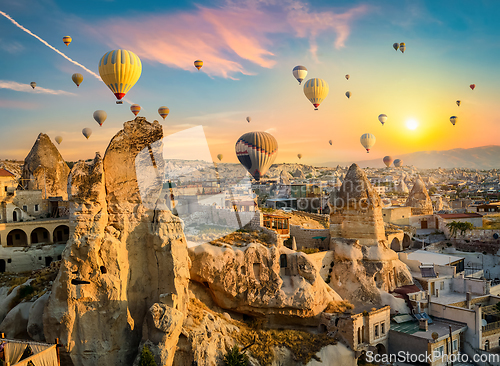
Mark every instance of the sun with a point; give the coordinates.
(411, 124)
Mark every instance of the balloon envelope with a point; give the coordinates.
(249, 119)
(453, 120)
(472, 86)
(220, 156)
(120, 70)
(67, 40)
(299, 156)
(300, 73)
(348, 94)
(198, 64)
(398, 163)
(402, 47)
(388, 161)
(87, 132)
(58, 139)
(77, 79)
(382, 118)
(100, 116)
(367, 140)
(458, 103)
(395, 46)
(347, 76)
(256, 151)
(163, 111)
(135, 108)
(33, 84)
(316, 91)
(330, 142)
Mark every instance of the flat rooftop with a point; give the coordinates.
(425, 257)
(441, 327)
(460, 216)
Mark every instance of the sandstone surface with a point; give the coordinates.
(419, 199)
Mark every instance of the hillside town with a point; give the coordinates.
(353, 264)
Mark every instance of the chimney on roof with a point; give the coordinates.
(468, 297)
(423, 324)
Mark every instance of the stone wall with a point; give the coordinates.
(304, 237)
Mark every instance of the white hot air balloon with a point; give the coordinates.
(367, 140)
(300, 73)
(382, 118)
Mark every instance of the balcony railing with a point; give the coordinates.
(491, 326)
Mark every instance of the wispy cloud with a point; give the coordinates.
(17, 104)
(13, 85)
(48, 45)
(11, 47)
(229, 39)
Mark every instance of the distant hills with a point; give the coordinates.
(483, 157)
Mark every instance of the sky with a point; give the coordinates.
(249, 48)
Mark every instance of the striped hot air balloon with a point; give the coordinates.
(67, 40)
(300, 73)
(135, 108)
(316, 91)
(382, 118)
(367, 140)
(120, 70)
(256, 151)
(33, 84)
(198, 64)
(163, 112)
(453, 120)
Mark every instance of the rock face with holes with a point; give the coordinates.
(364, 265)
(45, 169)
(125, 269)
(257, 280)
(419, 199)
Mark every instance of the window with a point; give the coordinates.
(382, 328)
(25, 208)
(37, 208)
(440, 352)
(455, 345)
(376, 331)
(487, 345)
(9, 260)
(442, 285)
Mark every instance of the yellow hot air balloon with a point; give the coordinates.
(67, 40)
(77, 79)
(220, 156)
(198, 64)
(316, 91)
(163, 111)
(120, 70)
(58, 139)
(299, 156)
(458, 103)
(33, 84)
(135, 108)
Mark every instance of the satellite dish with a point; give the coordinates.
(484, 322)
(434, 335)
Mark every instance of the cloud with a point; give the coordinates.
(17, 104)
(13, 85)
(11, 47)
(231, 39)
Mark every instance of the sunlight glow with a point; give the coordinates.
(411, 124)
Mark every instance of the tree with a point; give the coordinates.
(456, 227)
(235, 357)
(147, 358)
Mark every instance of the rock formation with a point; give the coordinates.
(363, 265)
(402, 187)
(45, 169)
(356, 210)
(124, 273)
(419, 199)
(257, 280)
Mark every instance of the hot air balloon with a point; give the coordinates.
(402, 47)
(220, 156)
(249, 119)
(453, 120)
(395, 46)
(87, 132)
(458, 103)
(67, 40)
(330, 142)
(367, 140)
(348, 94)
(382, 118)
(58, 139)
(300, 73)
(135, 108)
(316, 91)
(198, 64)
(256, 151)
(299, 156)
(388, 161)
(472, 86)
(77, 79)
(398, 163)
(120, 70)
(33, 84)
(163, 112)
(100, 116)
(347, 76)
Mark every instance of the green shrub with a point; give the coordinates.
(235, 358)
(147, 358)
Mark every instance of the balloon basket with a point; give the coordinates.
(119, 102)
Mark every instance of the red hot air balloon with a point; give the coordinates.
(472, 86)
